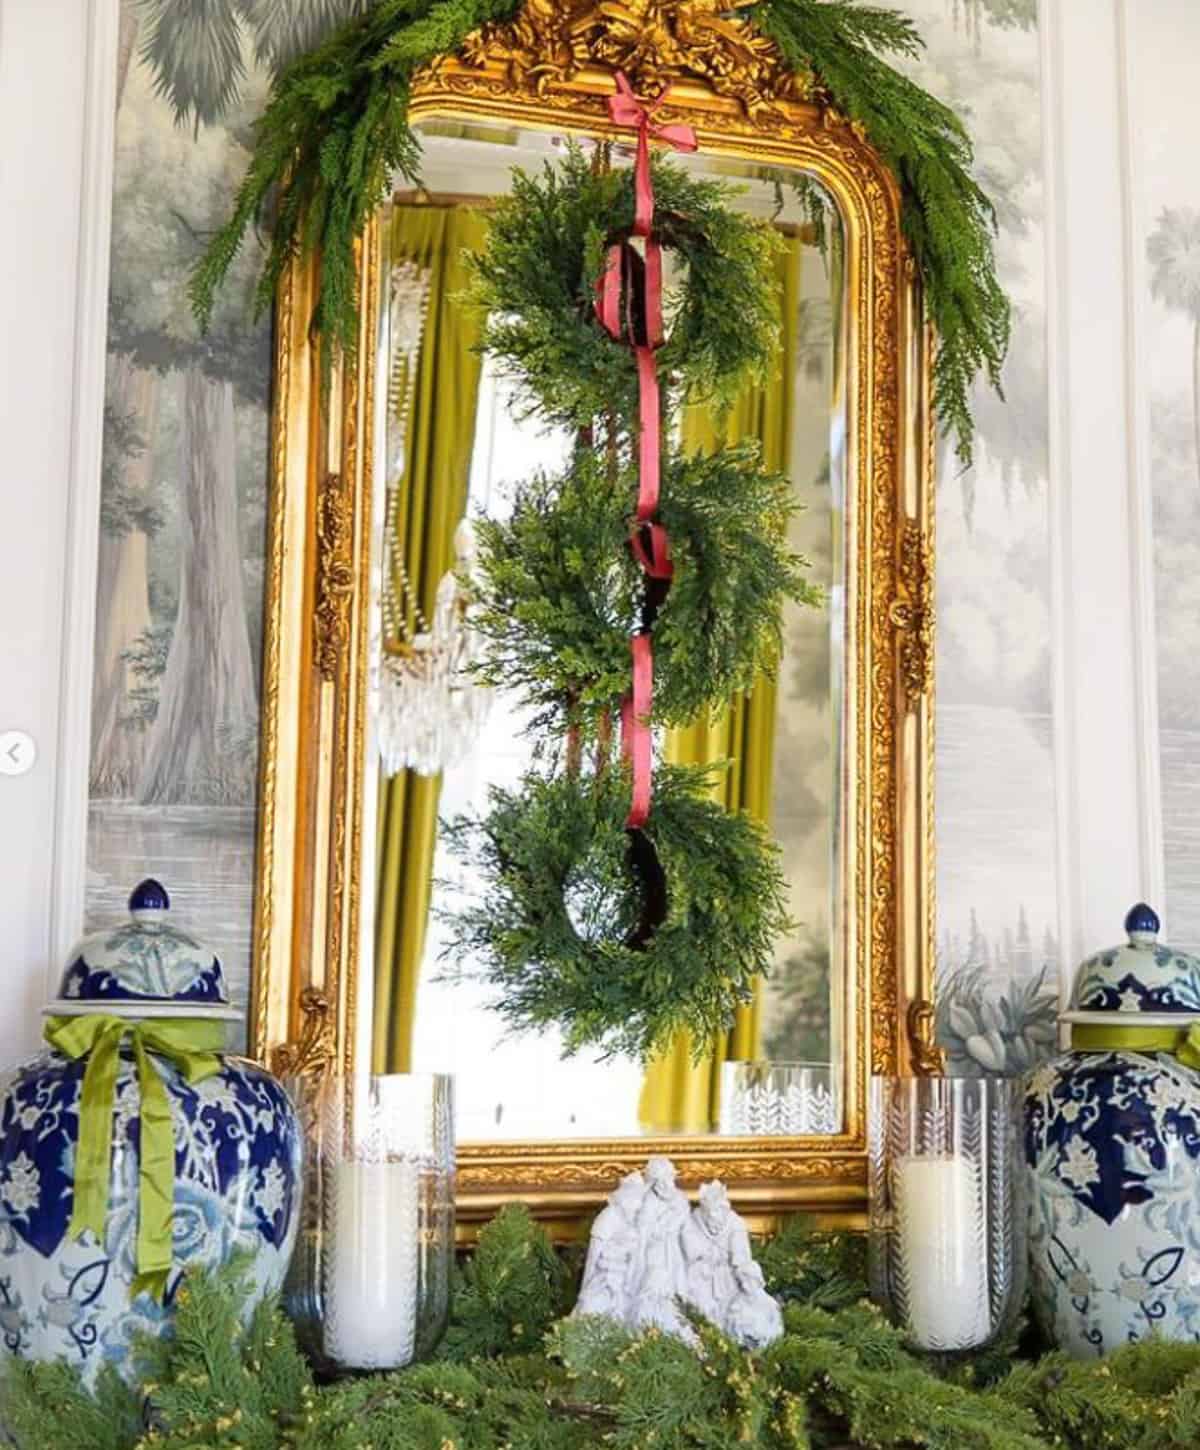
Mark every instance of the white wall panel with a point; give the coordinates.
(1105, 722)
(56, 65)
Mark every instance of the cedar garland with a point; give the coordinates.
(513, 1374)
(335, 133)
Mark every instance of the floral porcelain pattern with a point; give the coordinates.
(237, 1185)
(153, 964)
(1161, 981)
(144, 960)
(1113, 1141)
(237, 1140)
(1140, 975)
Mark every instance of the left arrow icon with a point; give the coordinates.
(17, 752)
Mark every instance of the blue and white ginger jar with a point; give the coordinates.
(1112, 1142)
(237, 1161)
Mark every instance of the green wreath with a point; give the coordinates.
(556, 925)
(534, 285)
(558, 592)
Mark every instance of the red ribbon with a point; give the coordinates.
(648, 541)
(636, 738)
(608, 292)
(649, 444)
(627, 109)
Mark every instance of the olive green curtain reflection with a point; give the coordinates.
(440, 434)
(678, 1095)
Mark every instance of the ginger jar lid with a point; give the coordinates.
(145, 967)
(1141, 976)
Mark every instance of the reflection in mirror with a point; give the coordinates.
(452, 444)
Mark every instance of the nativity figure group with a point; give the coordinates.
(651, 1254)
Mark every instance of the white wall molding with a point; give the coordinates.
(83, 504)
(1141, 482)
(1059, 503)
(1109, 810)
(55, 181)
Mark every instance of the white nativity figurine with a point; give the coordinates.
(651, 1253)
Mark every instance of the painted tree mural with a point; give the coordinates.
(1164, 109)
(997, 898)
(208, 695)
(129, 516)
(175, 709)
(1173, 252)
(197, 49)
(119, 704)
(182, 392)
(175, 699)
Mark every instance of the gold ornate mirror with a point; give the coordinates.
(836, 752)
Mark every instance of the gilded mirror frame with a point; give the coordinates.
(553, 67)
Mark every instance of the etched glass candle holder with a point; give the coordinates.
(779, 1099)
(370, 1286)
(948, 1213)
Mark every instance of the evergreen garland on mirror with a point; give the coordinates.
(335, 133)
(948, 219)
(513, 1374)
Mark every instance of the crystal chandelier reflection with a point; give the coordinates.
(429, 707)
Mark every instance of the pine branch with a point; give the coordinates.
(509, 1292)
(948, 220)
(334, 133)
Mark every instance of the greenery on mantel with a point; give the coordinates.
(514, 1374)
(335, 132)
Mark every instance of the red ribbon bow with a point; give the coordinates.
(627, 109)
(648, 541)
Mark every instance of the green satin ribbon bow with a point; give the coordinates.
(191, 1044)
(1184, 1042)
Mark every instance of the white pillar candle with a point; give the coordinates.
(941, 1251)
(371, 1264)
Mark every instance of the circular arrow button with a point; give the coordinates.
(17, 752)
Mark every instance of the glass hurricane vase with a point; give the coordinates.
(370, 1284)
(948, 1208)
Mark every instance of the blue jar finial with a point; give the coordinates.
(149, 895)
(1142, 920)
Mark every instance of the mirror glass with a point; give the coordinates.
(451, 443)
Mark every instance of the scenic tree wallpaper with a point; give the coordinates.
(997, 951)
(1165, 107)
(175, 708)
